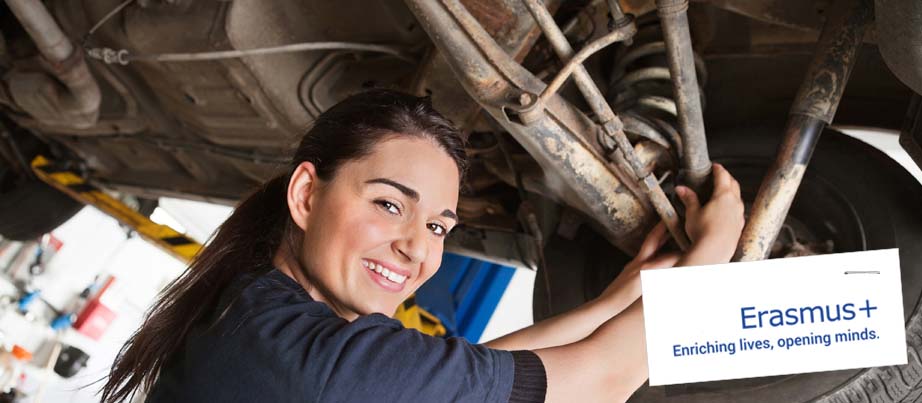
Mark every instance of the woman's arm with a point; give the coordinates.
(611, 363)
(581, 321)
(607, 366)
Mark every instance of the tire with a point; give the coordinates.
(577, 270)
(852, 194)
(30, 208)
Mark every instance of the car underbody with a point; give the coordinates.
(577, 114)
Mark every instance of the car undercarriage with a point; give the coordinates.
(580, 119)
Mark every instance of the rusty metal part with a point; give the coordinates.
(618, 18)
(562, 47)
(434, 77)
(828, 73)
(562, 139)
(643, 128)
(640, 77)
(78, 103)
(813, 108)
(696, 165)
(645, 74)
(611, 124)
(654, 156)
(574, 65)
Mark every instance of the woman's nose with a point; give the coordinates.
(412, 245)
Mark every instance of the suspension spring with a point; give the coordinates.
(640, 88)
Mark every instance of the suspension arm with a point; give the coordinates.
(560, 137)
(611, 124)
(813, 108)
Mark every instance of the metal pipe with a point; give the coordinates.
(80, 103)
(43, 29)
(617, 14)
(611, 124)
(123, 57)
(562, 141)
(813, 108)
(574, 65)
(696, 164)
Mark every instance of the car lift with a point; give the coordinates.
(176, 244)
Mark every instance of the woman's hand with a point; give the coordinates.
(625, 289)
(584, 370)
(580, 322)
(715, 228)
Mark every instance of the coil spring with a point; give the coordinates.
(641, 89)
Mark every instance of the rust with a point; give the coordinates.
(560, 138)
(777, 191)
(828, 73)
(495, 16)
(813, 108)
(696, 164)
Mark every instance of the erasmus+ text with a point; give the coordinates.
(752, 317)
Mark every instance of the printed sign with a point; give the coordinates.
(774, 317)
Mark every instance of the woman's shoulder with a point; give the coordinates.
(268, 292)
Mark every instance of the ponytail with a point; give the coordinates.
(242, 246)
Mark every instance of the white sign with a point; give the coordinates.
(774, 317)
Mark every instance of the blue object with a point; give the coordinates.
(63, 321)
(464, 293)
(27, 300)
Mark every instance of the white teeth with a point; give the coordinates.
(396, 278)
(377, 268)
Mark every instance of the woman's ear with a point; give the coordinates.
(301, 187)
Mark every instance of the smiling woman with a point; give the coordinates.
(291, 299)
(382, 222)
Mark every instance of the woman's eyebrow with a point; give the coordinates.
(409, 193)
(401, 187)
(450, 214)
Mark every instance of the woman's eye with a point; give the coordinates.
(390, 207)
(437, 229)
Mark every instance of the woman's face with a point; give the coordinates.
(375, 232)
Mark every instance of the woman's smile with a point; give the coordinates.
(387, 276)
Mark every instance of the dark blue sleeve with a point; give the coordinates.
(374, 358)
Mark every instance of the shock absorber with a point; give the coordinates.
(641, 90)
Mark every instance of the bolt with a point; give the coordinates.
(525, 99)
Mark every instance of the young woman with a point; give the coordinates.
(290, 301)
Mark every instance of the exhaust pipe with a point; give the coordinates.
(77, 104)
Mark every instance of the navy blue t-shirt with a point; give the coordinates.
(276, 344)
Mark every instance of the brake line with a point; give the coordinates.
(124, 57)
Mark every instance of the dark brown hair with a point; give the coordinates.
(246, 243)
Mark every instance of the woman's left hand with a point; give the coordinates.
(625, 289)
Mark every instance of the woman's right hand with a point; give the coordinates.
(611, 363)
(714, 229)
